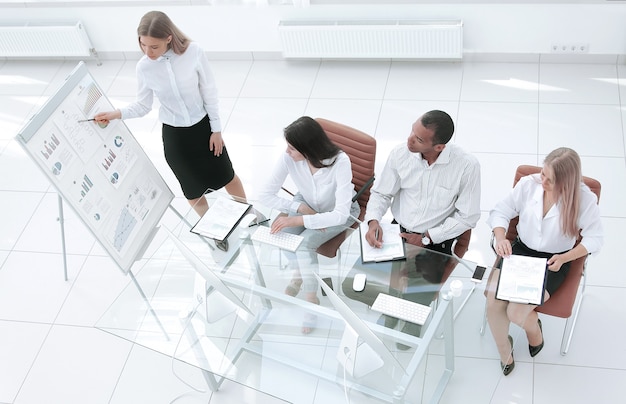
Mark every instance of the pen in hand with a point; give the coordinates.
(87, 120)
(258, 223)
(378, 242)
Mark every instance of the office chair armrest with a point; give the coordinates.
(452, 250)
(364, 188)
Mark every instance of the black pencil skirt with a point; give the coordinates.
(194, 165)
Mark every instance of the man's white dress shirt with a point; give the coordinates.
(442, 198)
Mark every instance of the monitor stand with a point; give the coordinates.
(357, 357)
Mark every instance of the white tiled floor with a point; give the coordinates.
(506, 113)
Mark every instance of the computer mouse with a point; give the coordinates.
(358, 284)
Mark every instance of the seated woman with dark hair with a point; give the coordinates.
(322, 207)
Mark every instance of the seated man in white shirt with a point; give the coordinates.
(432, 188)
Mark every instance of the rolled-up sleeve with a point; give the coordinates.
(506, 209)
(208, 91)
(143, 104)
(268, 194)
(385, 187)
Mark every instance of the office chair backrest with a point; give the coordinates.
(361, 148)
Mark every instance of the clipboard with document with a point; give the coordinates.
(522, 279)
(392, 248)
(221, 218)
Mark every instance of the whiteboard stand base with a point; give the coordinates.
(61, 220)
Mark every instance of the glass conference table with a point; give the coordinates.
(228, 314)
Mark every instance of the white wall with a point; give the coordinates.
(488, 28)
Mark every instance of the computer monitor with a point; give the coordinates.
(358, 357)
(212, 280)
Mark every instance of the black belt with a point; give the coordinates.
(404, 230)
(444, 247)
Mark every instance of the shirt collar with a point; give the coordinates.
(537, 200)
(165, 56)
(329, 161)
(443, 158)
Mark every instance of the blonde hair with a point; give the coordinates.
(157, 24)
(565, 164)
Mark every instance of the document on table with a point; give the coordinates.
(392, 248)
(221, 218)
(522, 279)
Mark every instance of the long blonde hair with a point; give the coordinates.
(565, 164)
(157, 24)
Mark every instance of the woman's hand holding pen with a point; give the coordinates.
(374, 234)
(106, 117)
(216, 143)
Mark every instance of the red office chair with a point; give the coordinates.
(361, 148)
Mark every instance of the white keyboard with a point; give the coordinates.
(402, 309)
(286, 241)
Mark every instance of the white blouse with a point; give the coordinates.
(544, 233)
(184, 85)
(329, 191)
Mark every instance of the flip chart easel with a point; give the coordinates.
(100, 171)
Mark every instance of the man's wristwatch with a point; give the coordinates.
(425, 239)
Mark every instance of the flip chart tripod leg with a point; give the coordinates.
(61, 220)
(193, 339)
(180, 216)
(145, 299)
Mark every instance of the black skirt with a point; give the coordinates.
(194, 165)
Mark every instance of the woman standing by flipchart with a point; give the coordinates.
(176, 71)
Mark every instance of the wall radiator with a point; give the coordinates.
(372, 39)
(49, 40)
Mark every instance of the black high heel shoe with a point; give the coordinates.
(506, 369)
(534, 350)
